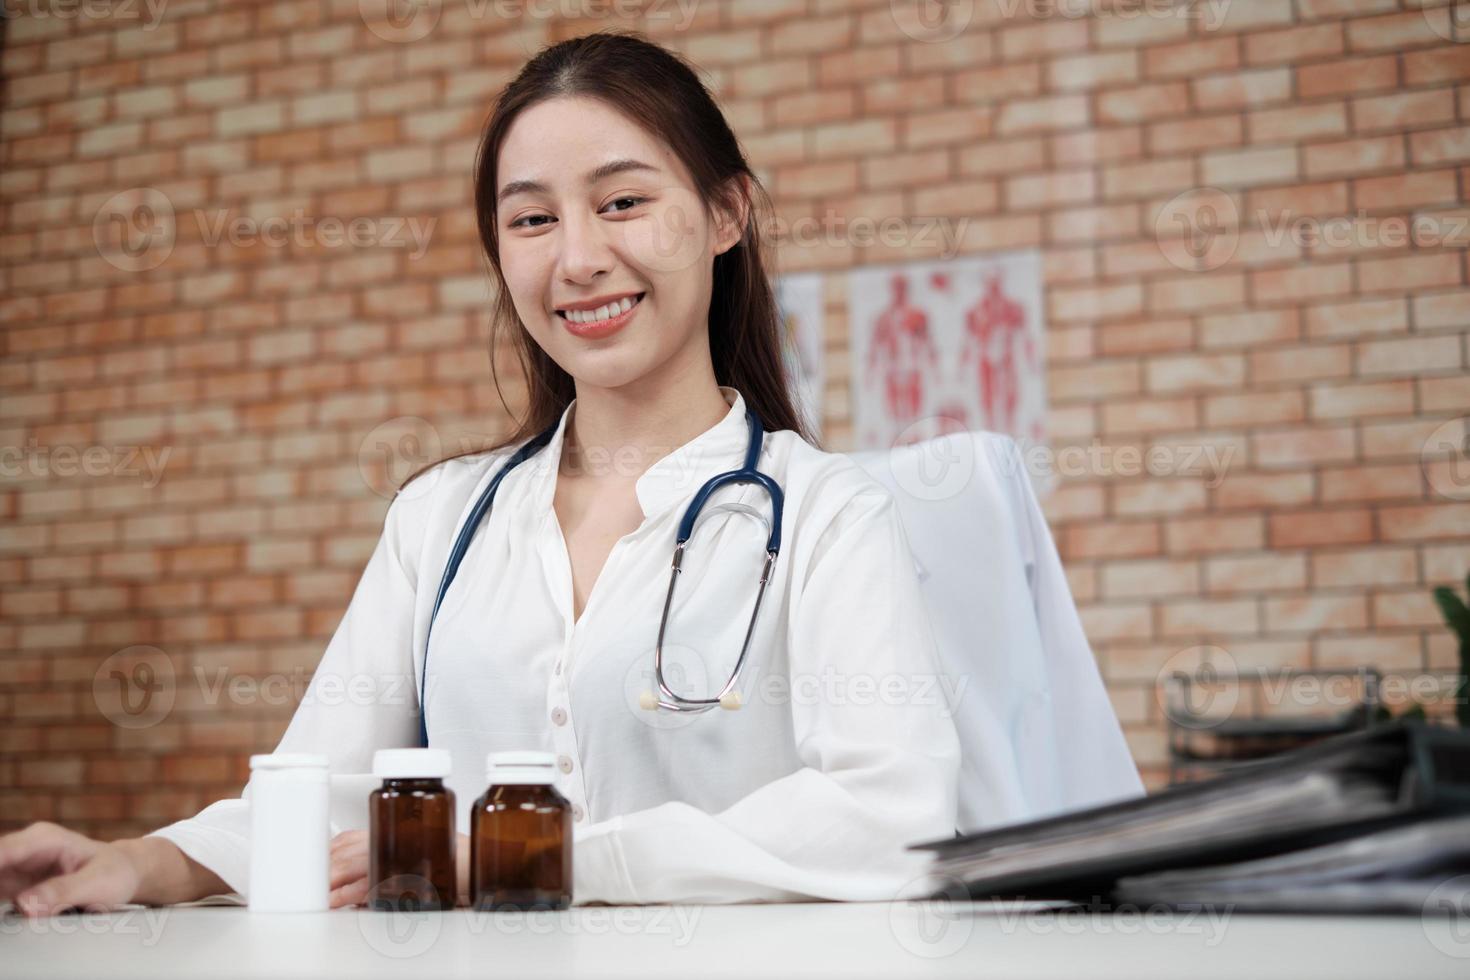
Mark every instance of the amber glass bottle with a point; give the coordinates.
(521, 836)
(411, 820)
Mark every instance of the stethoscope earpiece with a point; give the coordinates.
(730, 701)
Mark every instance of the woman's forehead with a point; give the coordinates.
(566, 139)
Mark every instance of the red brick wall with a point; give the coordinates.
(272, 370)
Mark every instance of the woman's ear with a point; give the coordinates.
(731, 214)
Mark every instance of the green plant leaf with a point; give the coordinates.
(1454, 611)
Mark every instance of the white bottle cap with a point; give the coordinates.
(288, 760)
(521, 766)
(411, 763)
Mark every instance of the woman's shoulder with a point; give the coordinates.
(823, 481)
(438, 493)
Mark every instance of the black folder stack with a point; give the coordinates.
(1376, 820)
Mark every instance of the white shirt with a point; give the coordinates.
(812, 789)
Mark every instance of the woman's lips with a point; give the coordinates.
(603, 328)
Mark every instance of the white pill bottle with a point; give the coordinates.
(289, 833)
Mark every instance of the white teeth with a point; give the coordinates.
(603, 312)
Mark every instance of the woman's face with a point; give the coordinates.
(592, 208)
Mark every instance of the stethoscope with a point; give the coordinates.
(728, 698)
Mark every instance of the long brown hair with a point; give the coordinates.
(661, 92)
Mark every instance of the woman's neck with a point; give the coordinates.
(618, 433)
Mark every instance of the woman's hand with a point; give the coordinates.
(349, 874)
(46, 869)
(349, 869)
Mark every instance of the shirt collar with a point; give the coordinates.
(670, 480)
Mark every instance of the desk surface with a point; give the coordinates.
(875, 939)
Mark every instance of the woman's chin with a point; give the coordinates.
(606, 368)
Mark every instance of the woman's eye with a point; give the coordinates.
(527, 221)
(632, 202)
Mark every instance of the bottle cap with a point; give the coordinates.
(411, 763)
(520, 766)
(289, 760)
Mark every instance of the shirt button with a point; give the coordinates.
(564, 762)
(559, 715)
(576, 811)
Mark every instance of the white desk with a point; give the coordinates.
(797, 940)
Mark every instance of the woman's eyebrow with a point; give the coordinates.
(600, 173)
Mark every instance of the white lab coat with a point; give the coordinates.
(1039, 732)
(845, 750)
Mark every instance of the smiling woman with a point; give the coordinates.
(618, 213)
(608, 172)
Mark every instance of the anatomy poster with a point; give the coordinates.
(799, 298)
(947, 346)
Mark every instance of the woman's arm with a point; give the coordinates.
(166, 875)
(46, 869)
(362, 697)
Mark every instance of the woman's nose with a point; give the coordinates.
(584, 249)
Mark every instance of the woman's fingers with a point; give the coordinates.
(105, 878)
(352, 893)
(36, 853)
(349, 862)
(349, 868)
(348, 838)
